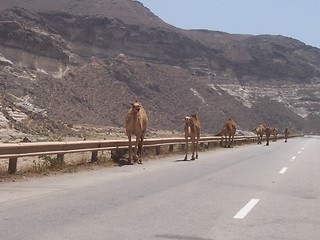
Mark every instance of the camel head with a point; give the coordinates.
(189, 120)
(135, 107)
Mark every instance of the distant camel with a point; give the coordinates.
(286, 134)
(268, 131)
(192, 129)
(136, 123)
(229, 129)
(275, 133)
(259, 130)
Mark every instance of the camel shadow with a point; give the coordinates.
(123, 162)
(182, 160)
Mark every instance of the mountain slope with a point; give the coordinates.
(82, 62)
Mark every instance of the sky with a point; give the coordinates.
(299, 19)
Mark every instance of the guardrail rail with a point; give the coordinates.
(13, 151)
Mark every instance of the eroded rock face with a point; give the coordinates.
(61, 66)
(23, 30)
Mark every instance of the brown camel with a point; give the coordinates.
(275, 133)
(192, 129)
(229, 129)
(136, 123)
(268, 130)
(259, 130)
(286, 134)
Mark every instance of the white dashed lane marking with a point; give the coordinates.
(246, 209)
(283, 170)
(250, 205)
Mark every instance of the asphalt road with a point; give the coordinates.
(248, 192)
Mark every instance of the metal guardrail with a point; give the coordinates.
(13, 151)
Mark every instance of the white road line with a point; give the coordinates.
(299, 152)
(302, 148)
(283, 170)
(293, 158)
(246, 209)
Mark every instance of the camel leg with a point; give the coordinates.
(232, 138)
(140, 149)
(193, 147)
(130, 148)
(267, 141)
(186, 147)
(197, 145)
(225, 140)
(135, 156)
(229, 141)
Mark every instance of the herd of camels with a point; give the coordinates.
(136, 123)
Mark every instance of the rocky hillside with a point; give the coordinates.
(78, 62)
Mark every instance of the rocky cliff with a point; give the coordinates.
(65, 63)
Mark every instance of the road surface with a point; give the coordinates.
(248, 192)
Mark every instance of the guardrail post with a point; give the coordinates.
(60, 156)
(157, 150)
(171, 148)
(94, 156)
(183, 147)
(12, 169)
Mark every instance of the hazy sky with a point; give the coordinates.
(299, 19)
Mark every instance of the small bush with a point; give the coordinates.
(52, 163)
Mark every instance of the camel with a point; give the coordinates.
(192, 129)
(268, 130)
(286, 134)
(259, 130)
(229, 128)
(136, 123)
(275, 132)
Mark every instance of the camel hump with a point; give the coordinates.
(231, 124)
